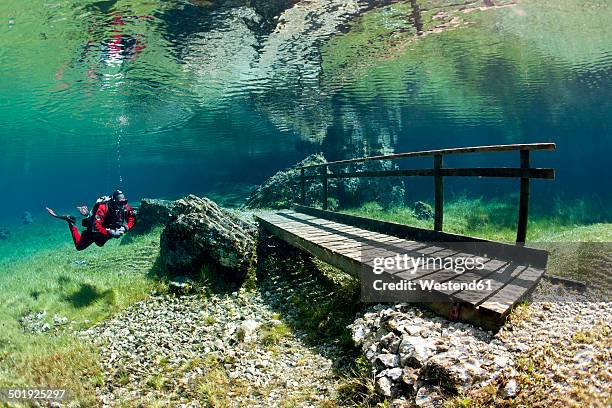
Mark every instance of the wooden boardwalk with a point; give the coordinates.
(355, 244)
(352, 243)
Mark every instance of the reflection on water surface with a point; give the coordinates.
(177, 96)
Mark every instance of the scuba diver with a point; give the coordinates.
(111, 217)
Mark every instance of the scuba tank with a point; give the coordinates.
(89, 220)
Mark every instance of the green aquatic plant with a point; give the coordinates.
(63, 291)
(272, 334)
(358, 389)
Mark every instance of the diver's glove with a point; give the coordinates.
(115, 233)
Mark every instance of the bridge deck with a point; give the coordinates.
(351, 244)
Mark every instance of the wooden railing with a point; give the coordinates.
(525, 172)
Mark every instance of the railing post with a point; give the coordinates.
(325, 187)
(302, 186)
(438, 193)
(521, 231)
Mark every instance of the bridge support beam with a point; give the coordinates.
(521, 231)
(438, 193)
(325, 187)
(302, 186)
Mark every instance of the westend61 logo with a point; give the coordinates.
(423, 278)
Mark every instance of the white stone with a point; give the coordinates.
(389, 360)
(394, 373)
(414, 351)
(383, 385)
(510, 389)
(247, 331)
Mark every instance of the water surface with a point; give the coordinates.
(166, 98)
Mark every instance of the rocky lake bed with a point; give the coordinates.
(203, 350)
(248, 345)
(241, 318)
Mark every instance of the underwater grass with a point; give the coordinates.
(496, 220)
(83, 288)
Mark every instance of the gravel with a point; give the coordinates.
(165, 348)
(194, 349)
(556, 347)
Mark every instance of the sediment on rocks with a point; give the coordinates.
(232, 349)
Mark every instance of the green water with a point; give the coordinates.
(166, 98)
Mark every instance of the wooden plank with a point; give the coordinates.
(476, 275)
(514, 291)
(296, 225)
(411, 275)
(290, 218)
(492, 249)
(367, 257)
(326, 240)
(332, 228)
(304, 230)
(468, 313)
(347, 247)
(392, 249)
(324, 236)
(355, 253)
(457, 150)
(499, 278)
(385, 243)
(346, 264)
(429, 270)
(358, 234)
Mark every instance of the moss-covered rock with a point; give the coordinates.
(422, 211)
(153, 212)
(203, 235)
(283, 189)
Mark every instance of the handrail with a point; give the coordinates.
(458, 150)
(525, 172)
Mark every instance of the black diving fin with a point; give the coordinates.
(68, 218)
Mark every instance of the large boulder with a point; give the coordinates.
(283, 189)
(386, 191)
(203, 234)
(153, 212)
